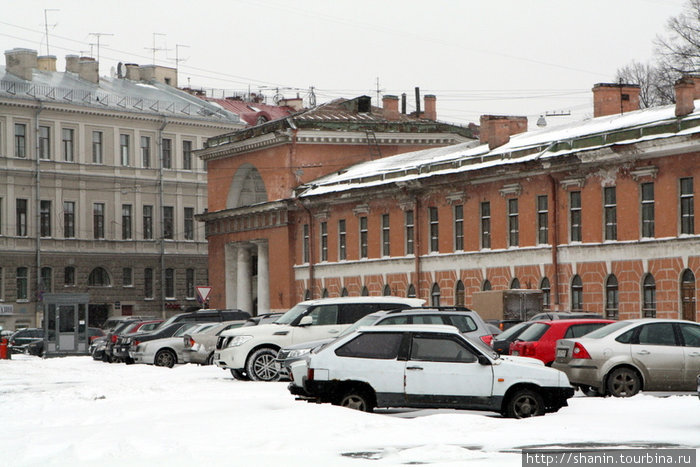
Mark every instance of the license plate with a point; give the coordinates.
(561, 353)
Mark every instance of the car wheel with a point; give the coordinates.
(590, 391)
(623, 382)
(239, 375)
(524, 403)
(165, 358)
(261, 365)
(129, 361)
(210, 359)
(356, 399)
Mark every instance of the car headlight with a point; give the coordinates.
(298, 353)
(239, 340)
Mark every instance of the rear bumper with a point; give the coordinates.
(585, 374)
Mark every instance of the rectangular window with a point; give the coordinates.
(21, 217)
(20, 140)
(189, 283)
(45, 218)
(687, 206)
(610, 209)
(168, 223)
(305, 244)
(169, 283)
(44, 142)
(513, 227)
(69, 219)
(22, 283)
(148, 283)
(324, 241)
(124, 149)
(145, 151)
(147, 222)
(98, 220)
(409, 232)
(434, 232)
(363, 237)
(189, 224)
(187, 155)
(126, 221)
(647, 210)
(459, 227)
(486, 225)
(67, 144)
(167, 153)
(69, 276)
(342, 241)
(97, 147)
(575, 216)
(386, 237)
(542, 220)
(46, 280)
(127, 277)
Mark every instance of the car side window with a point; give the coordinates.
(657, 334)
(379, 345)
(348, 313)
(395, 320)
(578, 330)
(427, 319)
(691, 334)
(324, 315)
(461, 322)
(440, 349)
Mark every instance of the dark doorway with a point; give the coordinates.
(688, 295)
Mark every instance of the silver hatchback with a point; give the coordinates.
(625, 357)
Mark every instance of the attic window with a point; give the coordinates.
(625, 97)
(364, 104)
(167, 81)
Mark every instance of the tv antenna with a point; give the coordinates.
(98, 35)
(177, 57)
(46, 27)
(154, 48)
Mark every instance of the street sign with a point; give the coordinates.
(203, 293)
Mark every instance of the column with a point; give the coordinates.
(263, 278)
(231, 269)
(243, 297)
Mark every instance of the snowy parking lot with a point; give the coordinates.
(74, 411)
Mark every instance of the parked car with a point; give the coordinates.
(20, 338)
(427, 366)
(501, 343)
(626, 357)
(166, 351)
(111, 323)
(160, 332)
(265, 318)
(199, 346)
(467, 321)
(551, 315)
(207, 316)
(250, 352)
(540, 340)
(120, 350)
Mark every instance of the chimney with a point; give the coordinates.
(296, 103)
(88, 70)
(21, 62)
(430, 110)
(133, 72)
(612, 98)
(161, 74)
(47, 63)
(685, 96)
(496, 130)
(390, 105)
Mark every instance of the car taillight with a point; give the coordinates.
(135, 343)
(487, 339)
(310, 374)
(114, 339)
(529, 349)
(192, 342)
(501, 326)
(580, 351)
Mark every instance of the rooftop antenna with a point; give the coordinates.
(98, 35)
(177, 57)
(154, 48)
(46, 27)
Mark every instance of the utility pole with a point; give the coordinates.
(46, 27)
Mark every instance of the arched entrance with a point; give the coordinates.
(688, 310)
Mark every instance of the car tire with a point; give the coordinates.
(239, 375)
(261, 365)
(590, 391)
(524, 403)
(165, 358)
(356, 399)
(210, 359)
(623, 382)
(129, 361)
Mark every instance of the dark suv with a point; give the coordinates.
(208, 316)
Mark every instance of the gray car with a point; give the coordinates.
(199, 346)
(625, 357)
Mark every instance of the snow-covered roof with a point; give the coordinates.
(541, 143)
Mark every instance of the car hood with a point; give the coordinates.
(525, 360)
(309, 345)
(260, 330)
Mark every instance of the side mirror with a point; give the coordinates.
(306, 321)
(483, 360)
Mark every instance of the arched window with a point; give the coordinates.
(307, 295)
(411, 293)
(365, 291)
(546, 293)
(435, 295)
(99, 278)
(611, 297)
(387, 290)
(576, 293)
(486, 285)
(515, 283)
(688, 309)
(649, 297)
(247, 187)
(324, 294)
(344, 292)
(459, 294)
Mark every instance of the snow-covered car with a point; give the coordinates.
(166, 351)
(427, 366)
(199, 346)
(250, 352)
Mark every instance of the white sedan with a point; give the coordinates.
(169, 350)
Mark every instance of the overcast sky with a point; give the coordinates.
(517, 57)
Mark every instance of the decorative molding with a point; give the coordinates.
(573, 183)
(322, 215)
(512, 189)
(407, 205)
(456, 197)
(361, 209)
(646, 171)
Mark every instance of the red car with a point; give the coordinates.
(540, 340)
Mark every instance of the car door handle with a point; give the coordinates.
(414, 368)
(643, 352)
(333, 331)
(694, 354)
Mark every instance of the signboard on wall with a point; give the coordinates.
(5, 309)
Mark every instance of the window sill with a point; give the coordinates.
(147, 299)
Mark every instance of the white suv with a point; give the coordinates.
(427, 366)
(250, 352)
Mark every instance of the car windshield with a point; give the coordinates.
(607, 330)
(534, 332)
(479, 344)
(514, 331)
(368, 320)
(185, 327)
(290, 316)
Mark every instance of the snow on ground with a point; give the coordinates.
(74, 411)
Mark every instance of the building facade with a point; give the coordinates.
(99, 187)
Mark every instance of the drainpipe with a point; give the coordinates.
(37, 208)
(555, 241)
(311, 243)
(160, 209)
(417, 242)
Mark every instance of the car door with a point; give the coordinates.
(324, 324)
(442, 371)
(691, 351)
(655, 348)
